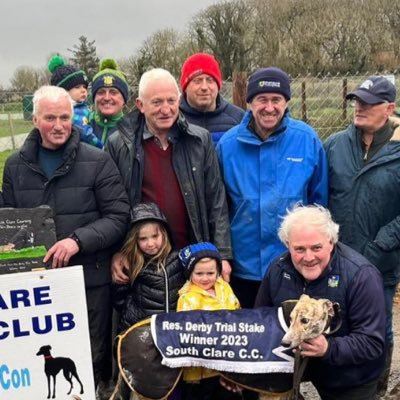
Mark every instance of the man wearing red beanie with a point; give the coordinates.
(201, 103)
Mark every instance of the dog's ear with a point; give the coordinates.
(304, 297)
(287, 308)
(328, 305)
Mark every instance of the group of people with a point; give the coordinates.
(243, 194)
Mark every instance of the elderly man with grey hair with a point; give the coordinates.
(364, 188)
(346, 365)
(164, 159)
(91, 211)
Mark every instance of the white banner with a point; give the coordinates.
(44, 336)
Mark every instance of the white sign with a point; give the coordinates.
(44, 336)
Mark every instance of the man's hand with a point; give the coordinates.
(226, 270)
(61, 252)
(316, 347)
(118, 264)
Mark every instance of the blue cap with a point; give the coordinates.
(268, 80)
(193, 253)
(375, 90)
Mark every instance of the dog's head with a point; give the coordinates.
(309, 319)
(44, 350)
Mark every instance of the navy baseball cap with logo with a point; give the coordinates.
(375, 90)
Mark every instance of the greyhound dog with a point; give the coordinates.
(309, 319)
(52, 366)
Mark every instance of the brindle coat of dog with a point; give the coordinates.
(309, 319)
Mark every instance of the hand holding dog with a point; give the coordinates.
(316, 347)
(61, 252)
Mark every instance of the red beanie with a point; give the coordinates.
(197, 64)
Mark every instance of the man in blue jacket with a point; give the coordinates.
(269, 162)
(347, 364)
(201, 102)
(364, 187)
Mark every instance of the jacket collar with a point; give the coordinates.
(187, 108)
(134, 125)
(248, 135)
(395, 121)
(29, 149)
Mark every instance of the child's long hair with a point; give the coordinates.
(137, 260)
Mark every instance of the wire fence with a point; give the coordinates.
(317, 100)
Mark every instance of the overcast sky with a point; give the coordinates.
(31, 30)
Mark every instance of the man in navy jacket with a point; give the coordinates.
(346, 365)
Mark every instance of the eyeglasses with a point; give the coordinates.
(363, 104)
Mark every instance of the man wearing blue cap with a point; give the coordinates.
(364, 186)
(269, 162)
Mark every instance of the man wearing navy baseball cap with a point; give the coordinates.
(375, 90)
(364, 186)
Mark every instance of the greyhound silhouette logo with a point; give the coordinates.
(53, 365)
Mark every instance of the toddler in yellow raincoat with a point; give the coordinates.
(204, 290)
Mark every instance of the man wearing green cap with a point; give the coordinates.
(110, 93)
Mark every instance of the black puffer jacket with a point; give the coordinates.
(85, 193)
(196, 167)
(153, 291)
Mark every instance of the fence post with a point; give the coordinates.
(239, 86)
(344, 103)
(11, 130)
(303, 102)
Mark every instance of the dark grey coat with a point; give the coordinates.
(364, 198)
(85, 193)
(196, 167)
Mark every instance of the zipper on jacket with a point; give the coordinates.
(166, 289)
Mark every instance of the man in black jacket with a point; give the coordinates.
(165, 160)
(83, 187)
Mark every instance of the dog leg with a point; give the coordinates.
(75, 374)
(68, 377)
(54, 386)
(48, 386)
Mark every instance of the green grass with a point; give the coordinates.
(3, 157)
(28, 252)
(19, 126)
(13, 107)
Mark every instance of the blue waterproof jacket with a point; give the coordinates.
(355, 354)
(263, 179)
(364, 198)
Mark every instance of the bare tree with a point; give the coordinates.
(226, 30)
(300, 36)
(27, 79)
(166, 48)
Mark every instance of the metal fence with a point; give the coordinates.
(317, 100)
